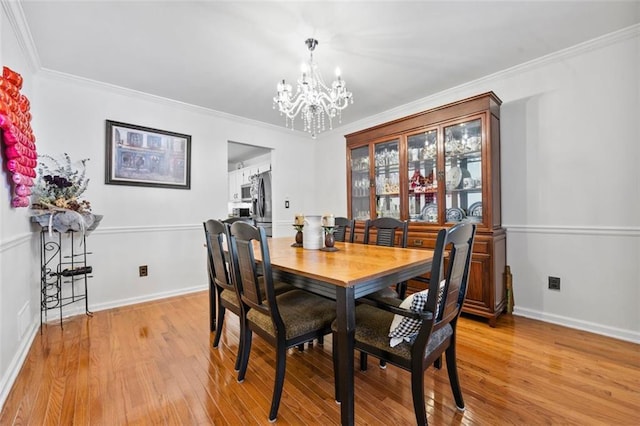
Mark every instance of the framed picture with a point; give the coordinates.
(141, 156)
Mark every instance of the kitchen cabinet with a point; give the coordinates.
(234, 185)
(245, 175)
(242, 176)
(435, 169)
(260, 168)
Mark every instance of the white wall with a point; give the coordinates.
(570, 186)
(161, 228)
(18, 297)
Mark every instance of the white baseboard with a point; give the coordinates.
(147, 298)
(617, 333)
(6, 382)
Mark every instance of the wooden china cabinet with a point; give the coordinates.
(435, 169)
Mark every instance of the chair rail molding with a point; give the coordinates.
(147, 228)
(611, 231)
(15, 241)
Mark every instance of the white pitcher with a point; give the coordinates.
(312, 232)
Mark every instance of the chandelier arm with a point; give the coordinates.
(342, 105)
(295, 109)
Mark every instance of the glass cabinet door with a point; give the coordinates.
(422, 150)
(463, 172)
(360, 193)
(387, 176)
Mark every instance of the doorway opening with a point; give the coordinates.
(249, 181)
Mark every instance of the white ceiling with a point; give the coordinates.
(239, 152)
(229, 55)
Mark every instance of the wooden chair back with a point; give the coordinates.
(219, 271)
(449, 279)
(256, 290)
(386, 230)
(343, 225)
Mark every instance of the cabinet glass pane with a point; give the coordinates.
(463, 172)
(423, 185)
(360, 167)
(387, 175)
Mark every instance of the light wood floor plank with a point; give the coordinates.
(153, 363)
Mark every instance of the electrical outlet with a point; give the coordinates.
(143, 270)
(554, 283)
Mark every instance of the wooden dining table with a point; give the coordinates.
(353, 271)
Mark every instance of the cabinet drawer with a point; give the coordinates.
(421, 242)
(480, 246)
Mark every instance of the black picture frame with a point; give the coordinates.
(142, 156)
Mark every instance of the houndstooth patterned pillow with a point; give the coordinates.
(405, 329)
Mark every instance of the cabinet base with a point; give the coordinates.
(491, 316)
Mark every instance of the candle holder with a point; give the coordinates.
(298, 242)
(329, 239)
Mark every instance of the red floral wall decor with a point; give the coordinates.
(19, 142)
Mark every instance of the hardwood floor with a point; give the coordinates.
(153, 364)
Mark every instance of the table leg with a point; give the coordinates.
(346, 327)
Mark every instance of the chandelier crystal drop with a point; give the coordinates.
(313, 98)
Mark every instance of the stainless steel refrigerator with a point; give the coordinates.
(261, 200)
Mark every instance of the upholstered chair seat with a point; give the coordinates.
(300, 314)
(373, 330)
(230, 298)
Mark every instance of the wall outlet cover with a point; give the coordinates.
(554, 283)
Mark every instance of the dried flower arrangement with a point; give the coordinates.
(60, 185)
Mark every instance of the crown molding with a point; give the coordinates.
(453, 93)
(123, 91)
(15, 15)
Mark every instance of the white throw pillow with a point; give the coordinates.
(403, 328)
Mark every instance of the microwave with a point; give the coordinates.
(245, 192)
(241, 212)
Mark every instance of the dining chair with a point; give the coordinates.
(386, 229)
(213, 300)
(414, 333)
(223, 292)
(342, 225)
(226, 295)
(284, 320)
(386, 234)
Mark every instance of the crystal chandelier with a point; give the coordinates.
(313, 98)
